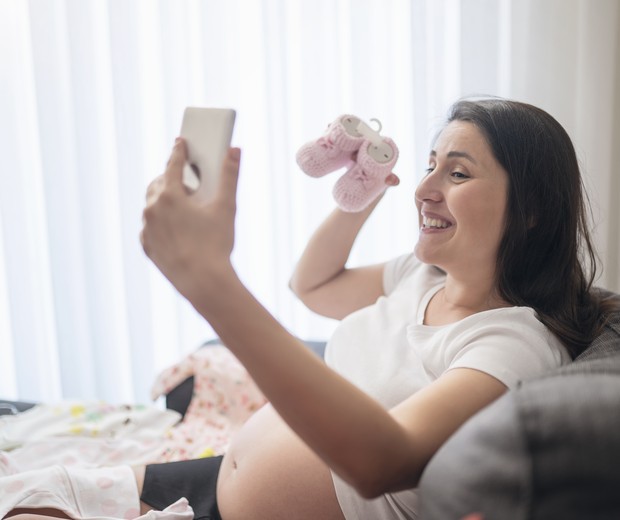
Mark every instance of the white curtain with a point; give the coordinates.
(92, 93)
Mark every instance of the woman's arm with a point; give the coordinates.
(321, 280)
(374, 449)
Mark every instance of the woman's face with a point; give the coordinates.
(462, 204)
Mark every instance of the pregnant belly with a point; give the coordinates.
(270, 473)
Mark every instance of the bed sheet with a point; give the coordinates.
(96, 434)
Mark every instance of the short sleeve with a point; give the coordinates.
(397, 270)
(511, 349)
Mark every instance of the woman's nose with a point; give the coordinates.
(429, 189)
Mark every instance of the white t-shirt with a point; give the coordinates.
(387, 351)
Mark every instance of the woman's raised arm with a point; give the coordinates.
(321, 279)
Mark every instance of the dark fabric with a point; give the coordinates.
(14, 407)
(195, 480)
(179, 397)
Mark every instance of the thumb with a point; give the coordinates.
(227, 189)
(392, 180)
(176, 162)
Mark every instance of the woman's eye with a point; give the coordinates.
(429, 170)
(459, 175)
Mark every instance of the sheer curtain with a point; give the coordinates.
(92, 96)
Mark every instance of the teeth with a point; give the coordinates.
(434, 222)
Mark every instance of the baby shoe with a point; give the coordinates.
(365, 180)
(334, 150)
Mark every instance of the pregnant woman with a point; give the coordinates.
(494, 291)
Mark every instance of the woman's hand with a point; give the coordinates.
(188, 239)
(392, 180)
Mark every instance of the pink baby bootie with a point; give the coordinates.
(334, 150)
(365, 180)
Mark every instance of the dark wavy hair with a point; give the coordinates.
(546, 259)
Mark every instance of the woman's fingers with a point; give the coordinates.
(154, 188)
(174, 170)
(227, 190)
(392, 180)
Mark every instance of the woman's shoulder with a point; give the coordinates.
(407, 266)
(520, 319)
(509, 343)
(521, 326)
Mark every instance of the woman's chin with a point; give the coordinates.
(424, 255)
(428, 257)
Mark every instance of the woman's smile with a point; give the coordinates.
(431, 223)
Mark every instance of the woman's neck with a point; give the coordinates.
(458, 300)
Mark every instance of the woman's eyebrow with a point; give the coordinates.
(455, 153)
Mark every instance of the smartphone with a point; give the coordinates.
(208, 133)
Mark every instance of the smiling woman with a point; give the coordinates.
(431, 325)
(350, 438)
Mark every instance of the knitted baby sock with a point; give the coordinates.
(334, 150)
(365, 180)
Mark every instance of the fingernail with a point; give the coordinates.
(235, 154)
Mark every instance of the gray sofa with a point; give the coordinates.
(549, 449)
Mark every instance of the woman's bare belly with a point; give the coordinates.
(270, 473)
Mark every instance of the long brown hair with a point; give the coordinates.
(546, 259)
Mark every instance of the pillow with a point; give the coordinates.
(549, 449)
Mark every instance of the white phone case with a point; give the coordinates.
(208, 133)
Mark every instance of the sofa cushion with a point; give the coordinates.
(549, 449)
(606, 343)
(601, 357)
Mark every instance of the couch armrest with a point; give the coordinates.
(548, 449)
(14, 407)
